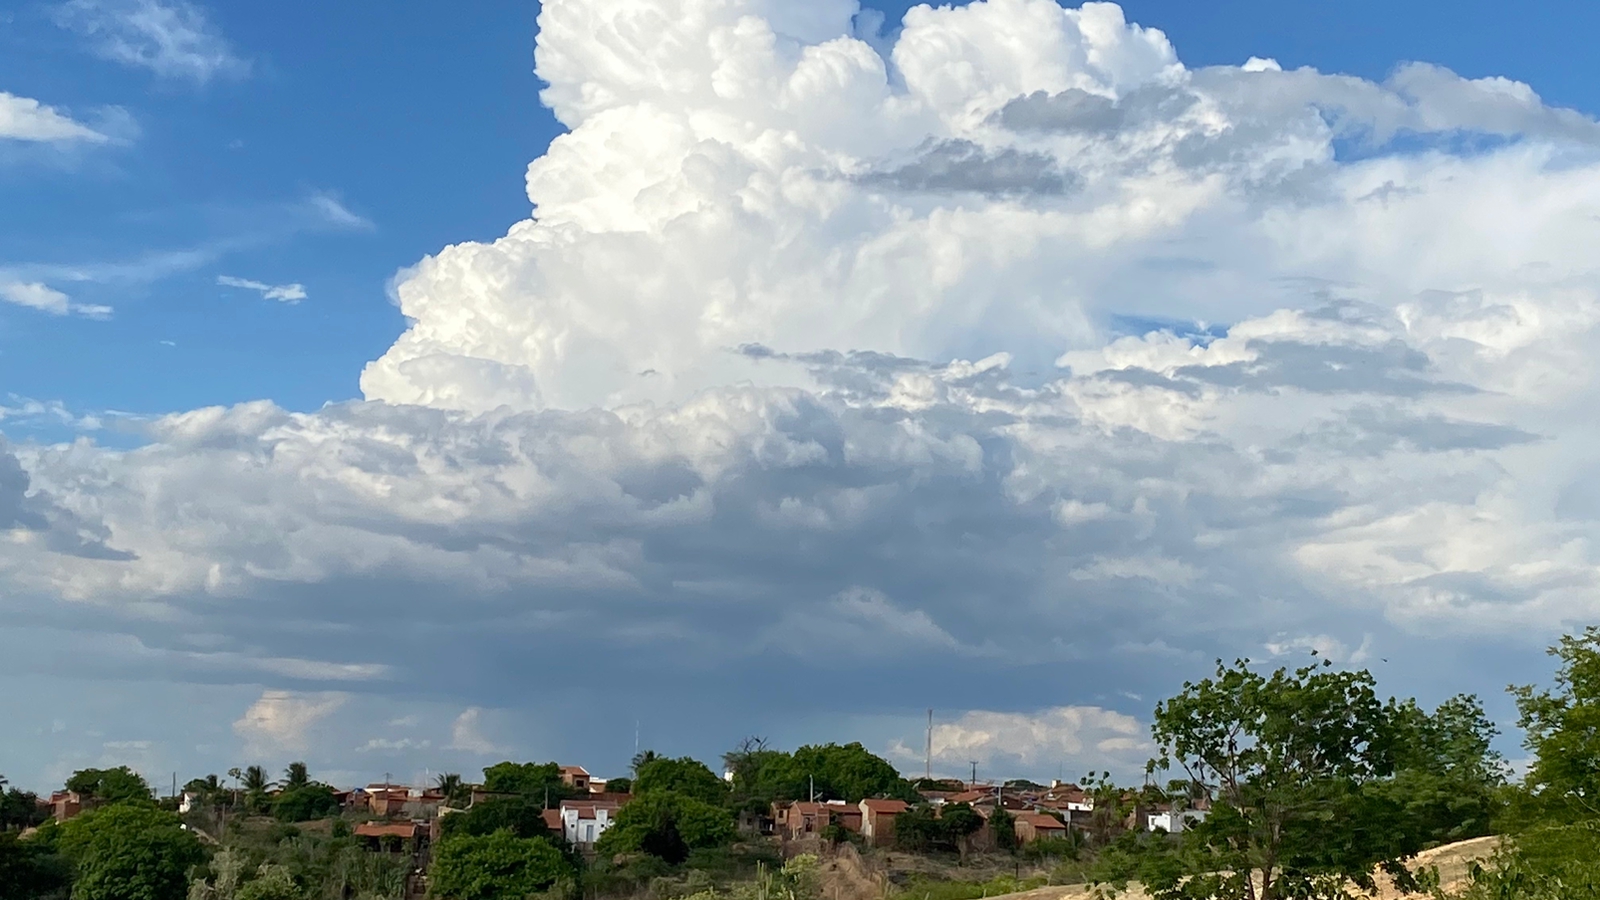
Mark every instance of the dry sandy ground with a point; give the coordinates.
(1454, 862)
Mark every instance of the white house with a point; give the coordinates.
(583, 823)
(1173, 821)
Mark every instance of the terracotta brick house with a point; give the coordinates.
(877, 820)
(67, 804)
(802, 819)
(575, 777)
(1031, 826)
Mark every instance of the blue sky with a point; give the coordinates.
(421, 119)
(1021, 379)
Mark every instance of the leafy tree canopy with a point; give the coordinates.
(31, 871)
(667, 825)
(522, 816)
(922, 828)
(296, 776)
(684, 776)
(129, 851)
(849, 772)
(110, 785)
(495, 866)
(20, 809)
(1562, 727)
(1448, 780)
(1289, 756)
(528, 779)
(1554, 850)
(304, 803)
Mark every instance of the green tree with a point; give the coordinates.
(922, 828)
(272, 882)
(457, 793)
(1562, 728)
(960, 822)
(296, 776)
(522, 816)
(1288, 756)
(619, 785)
(304, 803)
(529, 779)
(1448, 779)
(129, 851)
(20, 809)
(685, 776)
(29, 870)
(667, 825)
(498, 866)
(110, 785)
(208, 789)
(848, 772)
(1553, 852)
(255, 780)
(1003, 825)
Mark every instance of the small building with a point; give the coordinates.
(65, 805)
(575, 777)
(583, 821)
(799, 818)
(552, 821)
(392, 837)
(1173, 821)
(1032, 826)
(877, 820)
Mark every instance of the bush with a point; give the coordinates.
(1052, 848)
(302, 804)
(500, 865)
(927, 889)
(522, 816)
(29, 870)
(129, 850)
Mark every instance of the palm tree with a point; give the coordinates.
(642, 759)
(454, 790)
(296, 776)
(255, 780)
(235, 773)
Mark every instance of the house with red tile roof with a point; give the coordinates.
(877, 820)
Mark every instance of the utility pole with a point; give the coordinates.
(927, 766)
(974, 775)
(813, 790)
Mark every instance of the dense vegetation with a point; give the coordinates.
(1313, 786)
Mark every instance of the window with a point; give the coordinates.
(588, 834)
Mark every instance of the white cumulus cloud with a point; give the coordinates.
(1018, 354)
(281, 721)
(466, 734)
(26, 119)
(42, 297)
(1070, 740)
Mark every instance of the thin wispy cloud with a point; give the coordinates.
(333, 212)
(283, 293)
(26, 119)
(42, 297)
(171, 38)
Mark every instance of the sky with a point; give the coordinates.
(403, 389)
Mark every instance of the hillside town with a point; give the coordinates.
(388, 813)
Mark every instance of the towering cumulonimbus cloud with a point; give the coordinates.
(1005, 351)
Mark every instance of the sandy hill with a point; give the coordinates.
(1453, 860)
